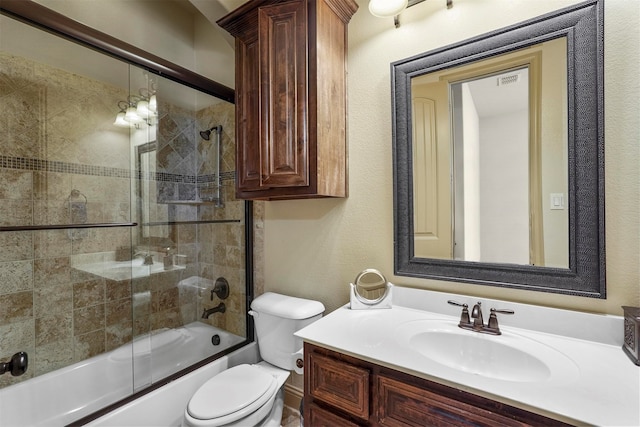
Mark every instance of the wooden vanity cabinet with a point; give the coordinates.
(341, 390)
(290, 97)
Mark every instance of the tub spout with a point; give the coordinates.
(220, 308)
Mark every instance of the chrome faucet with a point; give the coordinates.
(478, 325)
(220, 308)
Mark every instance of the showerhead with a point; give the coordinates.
(206, 134)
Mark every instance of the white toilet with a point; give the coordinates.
(252, 395)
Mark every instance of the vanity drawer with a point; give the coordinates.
(319, 417)
(402, 404)
(339, 384)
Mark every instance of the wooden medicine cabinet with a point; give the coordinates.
(290, 97)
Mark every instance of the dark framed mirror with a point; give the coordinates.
(498, 155)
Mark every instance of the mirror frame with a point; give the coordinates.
(583, 26)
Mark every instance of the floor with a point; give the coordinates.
(290, 417)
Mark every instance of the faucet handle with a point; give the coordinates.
(502, 311)
(465, 321)
(456, 303)
(492, 325)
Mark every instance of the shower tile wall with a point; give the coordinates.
(56, 135)
(176, 154)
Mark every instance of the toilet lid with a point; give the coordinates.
(237, 391)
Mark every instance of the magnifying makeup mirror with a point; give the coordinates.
(370, 290)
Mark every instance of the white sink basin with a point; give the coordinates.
(506, 357)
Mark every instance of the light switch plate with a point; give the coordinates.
(556, 201)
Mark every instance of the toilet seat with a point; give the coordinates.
(232, 395)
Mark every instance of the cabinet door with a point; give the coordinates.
(402, 404)
(248, 164)
(339, 384)
(284, 142)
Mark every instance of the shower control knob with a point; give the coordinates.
(16, 366)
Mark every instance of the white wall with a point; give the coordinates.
(314, 248)
(504, 188)
(471, 170)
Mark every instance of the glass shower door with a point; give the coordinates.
(65, 205)
(122, 249)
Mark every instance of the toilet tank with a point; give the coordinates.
(277, 317)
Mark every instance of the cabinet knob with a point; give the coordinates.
(17, 365)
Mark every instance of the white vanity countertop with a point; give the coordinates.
(603, 387)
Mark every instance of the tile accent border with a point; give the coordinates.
(23, 163)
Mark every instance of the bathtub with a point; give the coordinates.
(164, 407)
(68, 394)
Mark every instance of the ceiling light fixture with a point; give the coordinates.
(387, 8)
(137, 109)
(393, 8)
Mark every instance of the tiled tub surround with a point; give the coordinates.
(605, 389)
(61, 315)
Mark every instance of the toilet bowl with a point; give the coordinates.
(245, 395)
(252, 395)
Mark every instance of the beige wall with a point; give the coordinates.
(314, 248)
(162, 27)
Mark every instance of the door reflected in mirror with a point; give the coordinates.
(490, 159)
